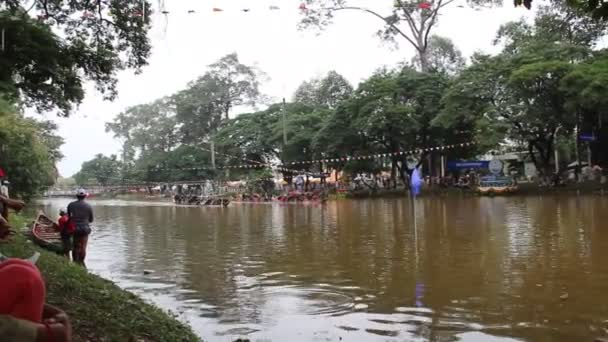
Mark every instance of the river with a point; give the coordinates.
(437, 269)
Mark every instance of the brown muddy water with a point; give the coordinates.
(447, 269)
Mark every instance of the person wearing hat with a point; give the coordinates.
(81, 214)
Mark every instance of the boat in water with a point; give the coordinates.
(496, 185)
(45, 233)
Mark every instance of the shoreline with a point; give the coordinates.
(524, 189)
(99, 309)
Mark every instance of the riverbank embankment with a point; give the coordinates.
(98, 309)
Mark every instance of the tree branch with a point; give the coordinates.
(434, 13)
(381, 18)
(410, 20)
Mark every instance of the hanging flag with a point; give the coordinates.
(303, 7)
(245, 10)
(191, 11)
(2, 173)
(416, 182)
(424, 5)
(215, 9)
(273, 7)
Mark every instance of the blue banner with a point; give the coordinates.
(471, 164)
(587, 137)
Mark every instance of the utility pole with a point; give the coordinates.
(212, 154)
(576, 150)
(284, 127)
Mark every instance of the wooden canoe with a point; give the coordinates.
(45, 233)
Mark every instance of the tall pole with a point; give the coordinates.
(577, 152)
(212, 154)
(284, 126)
(556, 150)
(589, 153)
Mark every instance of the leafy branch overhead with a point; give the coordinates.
(69, 42)
(598, 9)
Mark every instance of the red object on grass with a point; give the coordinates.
(23, 290)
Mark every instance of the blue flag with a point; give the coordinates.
(416, 182)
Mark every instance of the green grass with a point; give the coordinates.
(98, 309)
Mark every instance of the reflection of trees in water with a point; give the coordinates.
(479, 259)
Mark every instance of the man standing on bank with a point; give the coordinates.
(81, 214)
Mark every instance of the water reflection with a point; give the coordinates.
(444, 269)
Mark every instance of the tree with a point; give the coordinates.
(522, 88)
(411, 20)
(185, 163)
(147, 127)
(101, 170)
(326, 92)
(69, 42)
(258, 137)
(443, 56)
(586, 89)
(29, 150)
(391, 111)
(596, 9)
(207, 101)
(555, 23)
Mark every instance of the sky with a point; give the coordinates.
(184, 44)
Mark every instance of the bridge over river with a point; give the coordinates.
(205, 187)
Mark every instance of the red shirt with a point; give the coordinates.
(65, 225)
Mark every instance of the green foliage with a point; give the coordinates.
(326, 92)
(174, 165)
(524, 90)
(99, 170)
(29, 150)
(442, 56)
(208, 100)
(69, 42)
(596, 9)
(145, 128)
(259, 136)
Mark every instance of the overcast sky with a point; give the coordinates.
(184, 44)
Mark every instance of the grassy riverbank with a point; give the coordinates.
(99, 310)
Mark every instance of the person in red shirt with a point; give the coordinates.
(66, 229)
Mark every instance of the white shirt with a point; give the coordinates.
(4, 191)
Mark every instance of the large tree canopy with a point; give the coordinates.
(54, 46)
(327, 92)
(29, 150)
(207, 101)
(523, 88)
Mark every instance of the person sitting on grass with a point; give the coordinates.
(66, 229)
(24, 316)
